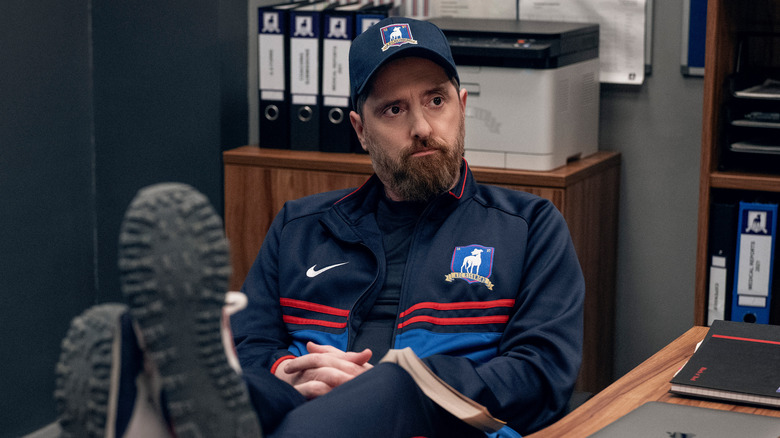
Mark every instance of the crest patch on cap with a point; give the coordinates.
(396, 35)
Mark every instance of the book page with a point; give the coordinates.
(442, 393)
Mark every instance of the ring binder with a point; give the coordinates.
(754, 262)
(273, 81)
(305, 51)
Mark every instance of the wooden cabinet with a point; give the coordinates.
(728, 23)
(258, 182)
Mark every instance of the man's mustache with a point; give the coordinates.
(424, 146)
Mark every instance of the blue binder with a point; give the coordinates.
(693, 37)
(754, 262)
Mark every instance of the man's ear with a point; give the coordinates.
(463, 95)
(357, 124)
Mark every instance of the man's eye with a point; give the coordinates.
(437, 100)
(394, 110)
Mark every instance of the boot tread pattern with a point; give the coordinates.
(175, 265)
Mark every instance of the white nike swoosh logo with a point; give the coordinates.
(311, 273)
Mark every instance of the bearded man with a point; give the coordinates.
(342, 277)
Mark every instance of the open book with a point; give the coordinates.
(443, 394)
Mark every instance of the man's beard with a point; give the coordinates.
(418, 178)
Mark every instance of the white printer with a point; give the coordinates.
(533, 90)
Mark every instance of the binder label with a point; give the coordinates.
(304, 63)
(755, 254)
(271, 61)
(304, 55)
(272, 95)
(716, 307)
(270, 47)
(335, 54)
(335, 67)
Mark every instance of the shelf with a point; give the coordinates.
(729, 22)
(745, 181)
(755, 124)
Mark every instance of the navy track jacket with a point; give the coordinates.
(491, 298)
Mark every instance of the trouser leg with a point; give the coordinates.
(383, 402)
(272, 398)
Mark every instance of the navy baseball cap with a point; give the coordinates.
(393, 38)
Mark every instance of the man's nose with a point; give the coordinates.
(420, 126)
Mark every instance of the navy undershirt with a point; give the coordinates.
(396, 221)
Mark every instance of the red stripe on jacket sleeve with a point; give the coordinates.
(314, 307)
(279, 362)
(306, 321)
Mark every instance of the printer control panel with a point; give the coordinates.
(498, 43)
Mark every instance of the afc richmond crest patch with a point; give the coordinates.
(396, 35)
(473, 264)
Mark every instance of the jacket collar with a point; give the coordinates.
(361, 203)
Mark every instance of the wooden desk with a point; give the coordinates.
(647, 382)
(259, 181)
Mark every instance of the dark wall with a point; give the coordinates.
(46, 192)
(157, 108)
(97, 99)
(232, 51)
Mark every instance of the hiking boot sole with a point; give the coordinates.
(84, 395)
(175, 265)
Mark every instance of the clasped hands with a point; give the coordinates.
(324, 368)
